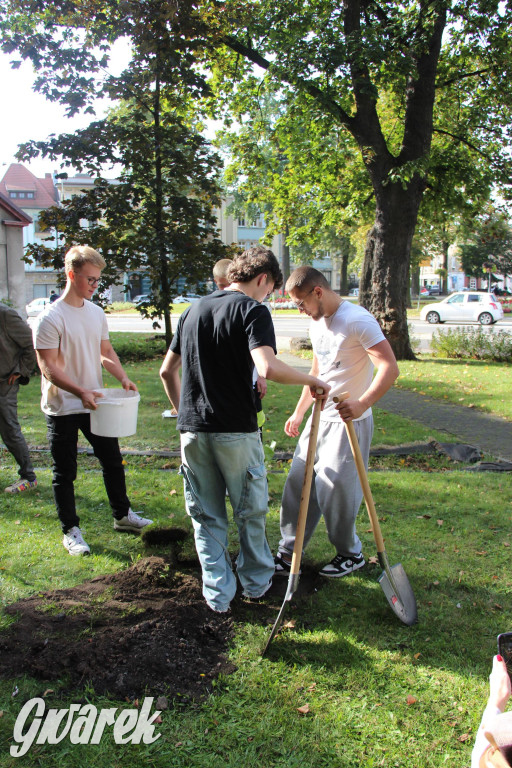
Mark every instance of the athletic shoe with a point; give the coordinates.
(282, 566)
(341, 566)
(74, 542)
(131, 522)
(21, 485)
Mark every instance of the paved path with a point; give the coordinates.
(491, 434)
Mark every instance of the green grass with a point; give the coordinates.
(474, 383)
(348, 658)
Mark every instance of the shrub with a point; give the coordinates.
(473, 343)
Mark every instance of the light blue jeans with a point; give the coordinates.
(211, 463)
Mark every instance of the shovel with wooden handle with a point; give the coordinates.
(393, 580)
(293, 578)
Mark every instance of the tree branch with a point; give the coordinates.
(313, 90)
(463, 141)
(458, 78)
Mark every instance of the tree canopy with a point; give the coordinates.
(409, 88)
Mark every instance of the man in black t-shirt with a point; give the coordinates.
(218, 341)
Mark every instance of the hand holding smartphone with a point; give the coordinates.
(505, 650)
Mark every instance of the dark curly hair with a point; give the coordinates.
(253, 262)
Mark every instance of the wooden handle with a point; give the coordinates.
(363, 478)
(306, 487)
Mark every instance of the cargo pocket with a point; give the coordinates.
(254, 497)
(192, 503)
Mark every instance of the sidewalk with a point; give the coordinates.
(491, 434)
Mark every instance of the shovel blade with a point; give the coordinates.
(399, 594)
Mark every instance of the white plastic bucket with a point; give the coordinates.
(116, 414)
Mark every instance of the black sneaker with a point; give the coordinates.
(341, 566)
(282, 566)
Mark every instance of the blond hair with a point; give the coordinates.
(79, 255)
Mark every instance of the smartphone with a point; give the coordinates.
(505, 650)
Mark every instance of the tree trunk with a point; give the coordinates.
(384, 285)
(285, 267)
(344, 270)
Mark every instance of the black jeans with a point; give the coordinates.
(63, 439)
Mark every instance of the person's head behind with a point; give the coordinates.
(220, 273)
(257, 260)
(79, 256)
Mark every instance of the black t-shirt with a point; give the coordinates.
(214, 338)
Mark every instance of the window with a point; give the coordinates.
(473, 297)
(21, 195)
(457, 299)
(472, 283)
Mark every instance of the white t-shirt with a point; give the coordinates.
(340, 343)
(77, 332)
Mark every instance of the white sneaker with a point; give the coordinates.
(74, 542)
(131, 522)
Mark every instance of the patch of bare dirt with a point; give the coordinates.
(143, 631)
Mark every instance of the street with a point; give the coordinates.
(289, 327)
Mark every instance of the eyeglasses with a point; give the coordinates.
(300, 304)
(92, 280)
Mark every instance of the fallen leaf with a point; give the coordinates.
(304, 709)
(311, 687)
(48, 690)
(17, 522)
(373, 560)
(290, 624)
(417, 655)
(440, 522)
(411, 700)
(173, 492)
(465, 737)
(506, 544)
(158, 720)
(482, 552)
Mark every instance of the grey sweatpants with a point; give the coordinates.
(10, 430)
(335, 490)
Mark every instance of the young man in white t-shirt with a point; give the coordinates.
(72, 344)
(347, 344)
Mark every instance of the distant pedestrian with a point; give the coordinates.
(53, 296)
(17, 361)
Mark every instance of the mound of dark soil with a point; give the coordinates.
(145, 630)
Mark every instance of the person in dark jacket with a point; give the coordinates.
(17, 361)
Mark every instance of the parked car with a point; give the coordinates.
(187, 299)
(354, 292)
(434, 290)
(142, 298)
(424, 291)
(466, 307)
(36, 306)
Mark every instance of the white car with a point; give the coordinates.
(186, 299)
(354, 292)
(36, 306)
(465, 307)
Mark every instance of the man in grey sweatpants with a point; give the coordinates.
(347, 344)
(17, 361)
